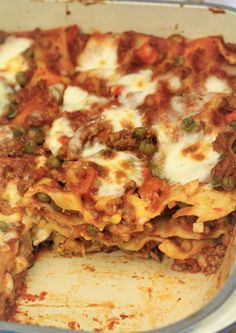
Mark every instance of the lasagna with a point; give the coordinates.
(115, 141)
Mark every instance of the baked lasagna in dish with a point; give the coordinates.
(115, 141)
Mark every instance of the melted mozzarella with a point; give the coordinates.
(76, 99)
(92, 148)
(5, 237)
(122, 117)
(4, 96)
(41, 234)
(11, 59)
(75, 144)
(121, 168)
(60, 127)
(174, 83)
(56, 90)
(188, 105)
(214, 84)
(192, 157)
(178, 105)
(136, 87)
(11, 194)
(99, 54)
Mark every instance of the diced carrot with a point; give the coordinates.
(86, 183)
(116, 90)
(152, 184)
(147, 53)
(64, 139)
(153, 190)
(146, 173)
(229, 117)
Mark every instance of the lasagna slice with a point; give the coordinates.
(17, 175)
(116, 141)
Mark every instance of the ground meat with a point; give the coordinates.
(94, 85)
(135, 64)
(129, 214)
(224, 141)
(225, 144)
(42, 111)
(150, 109)
(36, 119)
(112, 207)
(12, 148)
(122, 140)
(130, 187)
(150, 249)
(53, 47)
(156, 103)
(21, 170)
(59, 175)
(99, 131)
(208, 262)
(126, 43)
(121, 231)
(187, 265)
(198, 59)
(213, 255)
(228, 104)
(182, 72)
(225, 167)
(76, 46)
(53, 56)
(160, 45)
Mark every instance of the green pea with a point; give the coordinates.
(139, 133)
(30, 146)
(234, 147)
(146, 147)
(92, 229)
(21, 78)
(216, 182)
(188, 124)
(4, 227)
(233, 124)
(36, 134)
(179, 94)
(18, 132)
(43, 197)
(54, 162)
(179, 60)
(228, 183)
(12, 110)
(155, 170)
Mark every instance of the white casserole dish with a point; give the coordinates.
(116, 292)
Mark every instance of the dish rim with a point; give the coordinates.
(187, 324)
